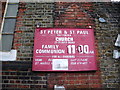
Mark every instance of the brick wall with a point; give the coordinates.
(106, 34)
(74, 15)
(28, 16)
(18, 74)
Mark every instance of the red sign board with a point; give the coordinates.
(65, 49)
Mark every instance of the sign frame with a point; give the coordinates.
(64, 49)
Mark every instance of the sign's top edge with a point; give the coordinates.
(66, 28)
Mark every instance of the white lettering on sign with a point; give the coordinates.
(50, 51)
(38, 59)
(64, 39)
(71, 49)
(82, 32)
(50, 31)
(82, 49)
(63, 32)
(50, 46)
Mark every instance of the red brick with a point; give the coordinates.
(82, 86)
(18, 44)
(83, 77)
(19, 31)
(71, 78)
(12, 81)
(13, 86)
(23, 86)
(94, 77)
(95, 86)
(71, 82)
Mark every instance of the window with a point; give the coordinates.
(7, 29)
(8, 25)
